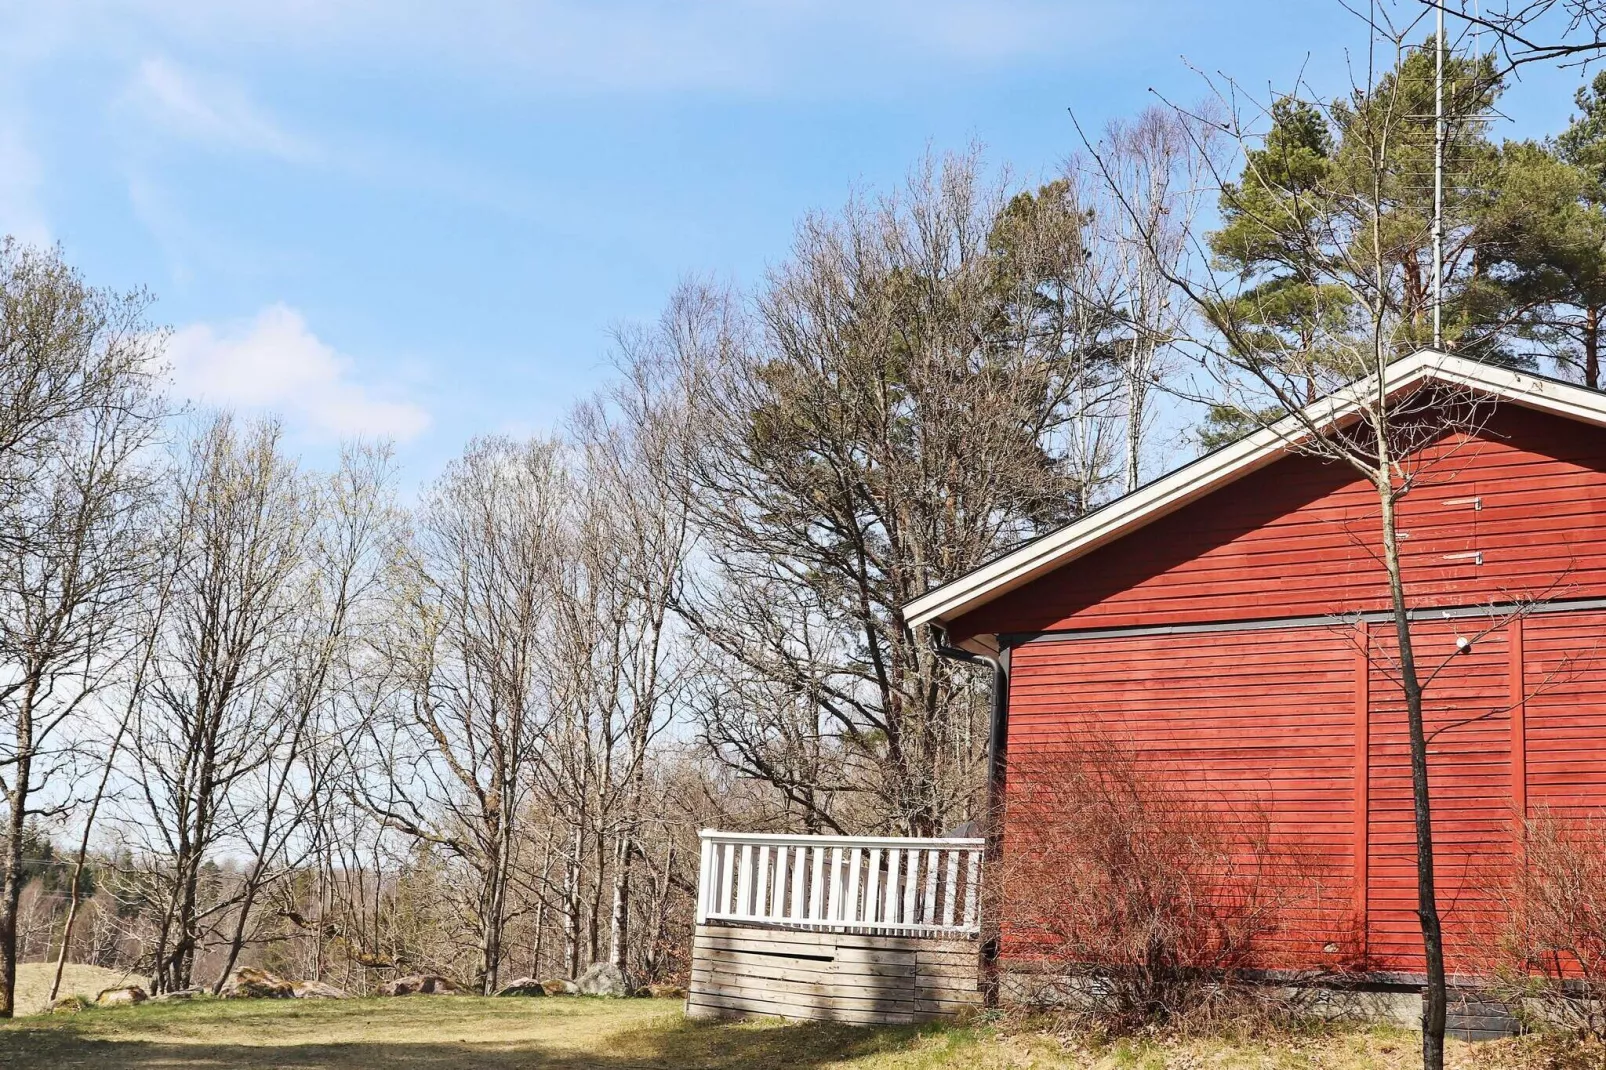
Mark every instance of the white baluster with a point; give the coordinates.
(800, 857)
(817, 887)
(889, 912)
(911, 887)
(760, 861)
(744, 882)
(778, 885)
(872, 888)
(951, 896)
(833, 906)
(928, 916)
(705, 884)
(855, 887)
(973, 890)
(727, 872)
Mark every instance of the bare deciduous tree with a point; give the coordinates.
(77, 411)
(237, 530)
(450, 758)
(886, 419)
(1326, 240)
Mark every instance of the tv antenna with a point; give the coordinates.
(1438, 182)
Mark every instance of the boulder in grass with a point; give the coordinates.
(125, 996)
(602, 979)
(252, 983)
(69, 1005)
(419, 984)
(523, 986)
(180, 994)
(558, 986)
(318, 990)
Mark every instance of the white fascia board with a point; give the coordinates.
(1530, 391)
(1215, 470)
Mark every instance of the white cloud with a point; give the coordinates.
(274, 363)
(209, 110)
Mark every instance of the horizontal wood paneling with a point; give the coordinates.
(1300, 538)
(1283, 717)
(1564, 676)
(1271, 718)
(1258, 723)
(1467, 717)
(740, 970)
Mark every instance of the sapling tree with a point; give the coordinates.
(1317, 280)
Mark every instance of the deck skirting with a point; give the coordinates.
(871, 979)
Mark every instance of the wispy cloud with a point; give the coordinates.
(813, 46)
(209, 110)
(274, 363)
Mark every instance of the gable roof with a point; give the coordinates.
(1214, 470)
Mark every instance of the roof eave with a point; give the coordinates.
(1193, 481)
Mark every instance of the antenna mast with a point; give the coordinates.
(1438, 181)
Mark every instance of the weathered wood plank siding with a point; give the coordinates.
(838, 977)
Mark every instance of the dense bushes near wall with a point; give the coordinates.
(1129, 894)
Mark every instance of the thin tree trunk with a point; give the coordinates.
(541, 905)
(74, 897)
(1592, 347)
(1134, 420)
(1433, 1008)
(571, 906)
(619, 915)
(16, 818)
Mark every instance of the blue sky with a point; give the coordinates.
(421, 219)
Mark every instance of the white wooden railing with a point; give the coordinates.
(841, 883)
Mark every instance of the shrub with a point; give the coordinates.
(1551, 945)
(1135, 896)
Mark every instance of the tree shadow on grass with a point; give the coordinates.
(681, 1045)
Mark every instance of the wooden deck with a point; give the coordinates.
(871, 930)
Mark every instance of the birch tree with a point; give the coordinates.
(449, 759)
(629, 440)
(78, 410)
(352, 523)
(236, 529)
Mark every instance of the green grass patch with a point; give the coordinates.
(473, 1033)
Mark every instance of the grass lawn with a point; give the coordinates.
(596, 1034)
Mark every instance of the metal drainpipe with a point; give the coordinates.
(996, 729)
(996, 737)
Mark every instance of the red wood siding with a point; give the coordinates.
(1298, 538)
(1466, 714)
(1271, 719)
(1299, 719)
(1216, 712)
(1565, 712)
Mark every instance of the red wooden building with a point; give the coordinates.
(1230, 619)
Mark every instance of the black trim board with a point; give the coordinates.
(1495, 611)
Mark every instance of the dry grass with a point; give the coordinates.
(592, 1034)
(33, 983)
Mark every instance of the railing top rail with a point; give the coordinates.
(787, 839)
